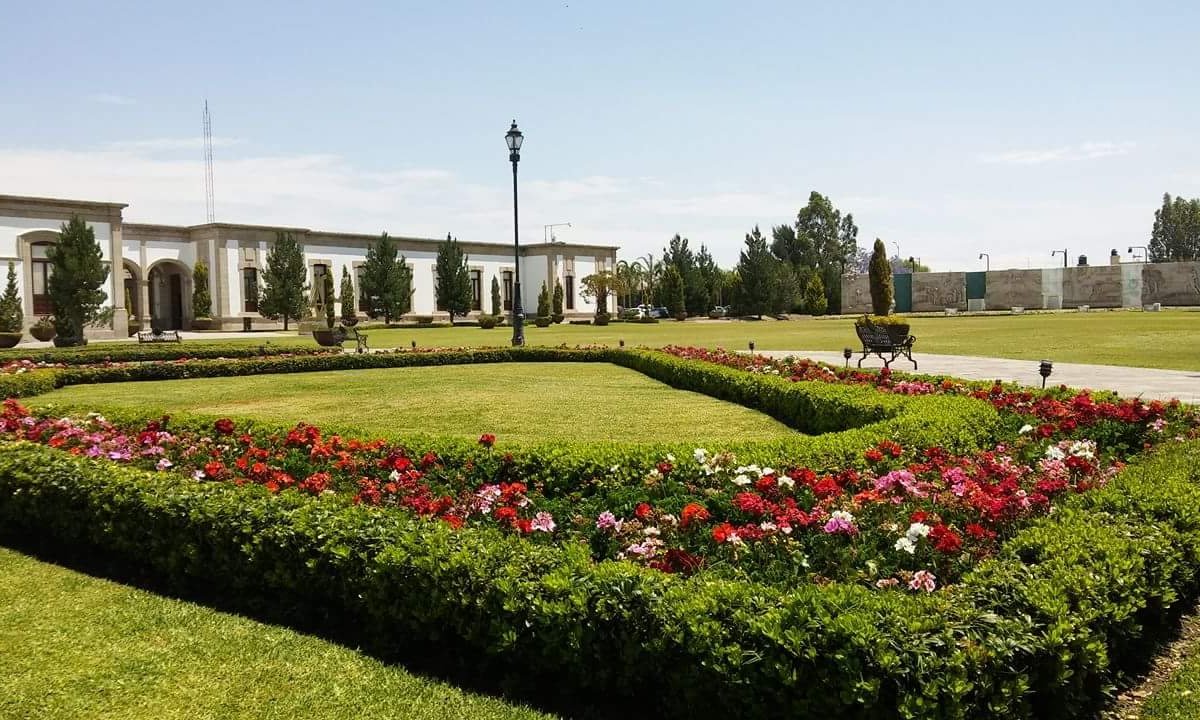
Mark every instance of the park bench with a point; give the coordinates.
(157, 336)
(881, 340)
(360, 339)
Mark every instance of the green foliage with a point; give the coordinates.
(694, 270)
(201, 298)
(497, 306)
(328, 298)
(813, 299)
(77, 278)
(672, 290)
(880, 275)
(284, 294)
(599, 286)
(12, 317)
(1176, 232)
(822, 240)
(487, 322)
(556, 305)
(543, 306)
(348, 299)
(386, 281)
(453, 289)
(758, 273)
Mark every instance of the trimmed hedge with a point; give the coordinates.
(1033, 633)
(842, 420)
(135, 352)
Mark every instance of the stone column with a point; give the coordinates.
(116, 277)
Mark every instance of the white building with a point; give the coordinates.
(156, 263)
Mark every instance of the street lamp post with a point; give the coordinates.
(548, 231)
(1064, 254)
(514, 138)
(1145, 252)
(988, 261)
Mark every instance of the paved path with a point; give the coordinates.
(1127, 381)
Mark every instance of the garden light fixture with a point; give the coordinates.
(846, 353)
(1044, 369)
(513, 138)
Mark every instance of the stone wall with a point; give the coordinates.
(1094, 285)
(1013, 288)
(1171, 283)
(933, 292)
(856, 294)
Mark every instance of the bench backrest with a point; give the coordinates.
(872, 335)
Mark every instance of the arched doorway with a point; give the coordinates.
(169, 295)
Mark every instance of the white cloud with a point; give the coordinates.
(111, 99)
(1083, 151)
(168, 144)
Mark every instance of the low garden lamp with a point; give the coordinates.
(414, 344)
(751, 346)
(1044, 369)
(846, 353)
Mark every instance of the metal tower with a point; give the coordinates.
(209, 207)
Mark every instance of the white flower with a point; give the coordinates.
(1025, 429)
(741, 480)
(785, 481)
(651, 532)
(1083, 449)
(1055, 453)
(700, 454)
(906, 545)
(768, 526)
(917, 530)
(670, 458)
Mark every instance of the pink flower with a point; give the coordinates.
(543, 522)
(840, 521)
(163, 464)
(923, 580)
(607, 521)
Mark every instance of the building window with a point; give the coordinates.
(569, 291)
(507, 291)
(42, 305)
(364, 304)
(250, 290)
(476, 289)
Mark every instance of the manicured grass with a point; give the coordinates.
(73, 646)
(1178, 698)
(519, 402)
(1168, 339)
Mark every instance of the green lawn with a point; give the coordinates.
(73, 646)
(519, 402)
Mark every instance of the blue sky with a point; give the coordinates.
(948, 128)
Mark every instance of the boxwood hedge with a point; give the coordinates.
(1039, 631)
(134, 352)
(840, 421)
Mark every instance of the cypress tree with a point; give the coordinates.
(12, 317)
(386, 281)
(757, 275)
(557, 302)
(349, 301)
(327, 294)
(453, 280)
(284, 292)
(497, 308)
(543, 309)
(77, 276)
(201, 298)
(880, 272)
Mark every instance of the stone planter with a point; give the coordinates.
(349, 322)
(9, 339)
(329, 337)
(42, 332)
(203, 323)
(897, 333)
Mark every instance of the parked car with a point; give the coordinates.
(719, 311)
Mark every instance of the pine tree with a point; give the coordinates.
(349, 301)
(673, 293)
(386, 281)
(12, 317)
(77, 275)
(813, 299)
(201, 298)
(497, 309)
(284, 293)
(543, 309)
(453, 280)
(557, 302)
(880, 273)
(758, 274)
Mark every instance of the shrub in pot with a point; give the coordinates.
(557, 318)
(11, 315)
(43, 329)
(896, 326)
(600, 319)
(329, 337)
(542, 321)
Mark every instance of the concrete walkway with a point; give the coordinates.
(1127, 381)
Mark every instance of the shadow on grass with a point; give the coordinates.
(440, 662)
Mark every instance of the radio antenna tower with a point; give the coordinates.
(209, 207)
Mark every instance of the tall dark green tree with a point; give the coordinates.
(348, 298)
(683, 259)
(12, 317)
(1176, 232)
(497, 307)
(327, 294)
(709, 277)
(201, 297)
(758, 273)
(453, 289)
(813, 299)
(284, 294)
(823, 240)
(386, 281)
(77, 274)
(556, 302)
(880, 277)
(673, 291)
(543, 308)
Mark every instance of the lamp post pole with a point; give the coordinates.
(514, 138)
(988, 261)
(1064, 254)
(1145, 252)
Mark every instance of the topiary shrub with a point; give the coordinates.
(12, 318)
(880, 272)
(487, 322)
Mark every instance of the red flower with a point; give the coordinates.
(643, 511)
(873, 455)
(919, 516)
(665, 468)
(979, 532)
(750, 503)
(722, 532)
(316, 483)
(693, 512)
(453, 521)
(505, 515)
(224, 426)
(945, 540)
(487, 440)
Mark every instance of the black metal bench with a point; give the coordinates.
(881, 340)
(360, 339)
(157, 336)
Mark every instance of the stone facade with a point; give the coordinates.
(933, 292)
(156, 262)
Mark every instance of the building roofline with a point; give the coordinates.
(61, 201)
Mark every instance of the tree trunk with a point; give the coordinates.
(285, 322)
